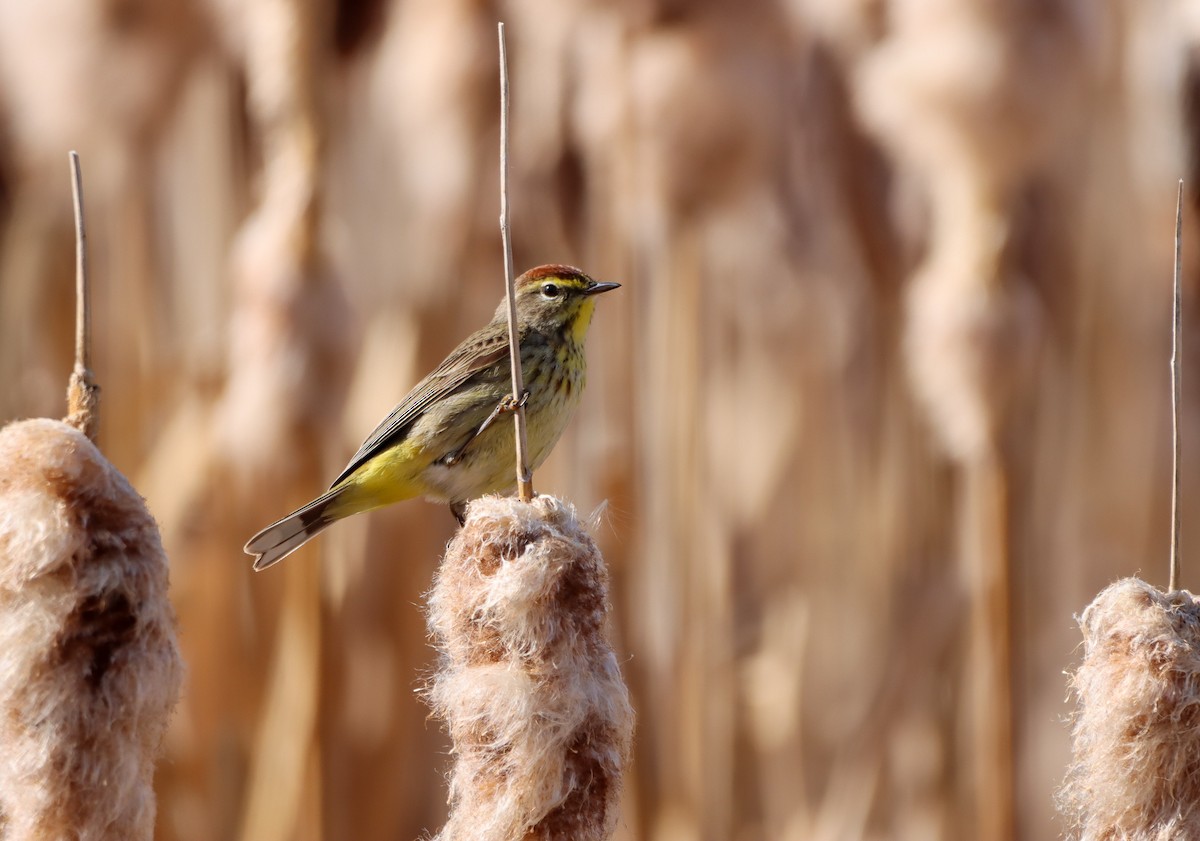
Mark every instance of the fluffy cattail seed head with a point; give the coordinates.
(529, 686)
(89, 667)
(1136, 769)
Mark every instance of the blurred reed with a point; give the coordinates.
(858, 239)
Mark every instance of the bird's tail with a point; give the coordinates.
(282, 538)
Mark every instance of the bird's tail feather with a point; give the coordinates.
(283, 537)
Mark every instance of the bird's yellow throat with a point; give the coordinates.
(582, 320)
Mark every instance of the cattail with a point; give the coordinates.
(1136, 769)
(89, 668)
(528, 685)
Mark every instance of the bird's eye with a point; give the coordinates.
(551, 290)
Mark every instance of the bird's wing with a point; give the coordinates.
(465, 361)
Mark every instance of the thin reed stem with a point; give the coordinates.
(83, 315)
(524, 474)
(83, 394)
(1176, 330)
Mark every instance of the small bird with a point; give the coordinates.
(441, 441)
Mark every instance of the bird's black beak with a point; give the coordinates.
(597, 288)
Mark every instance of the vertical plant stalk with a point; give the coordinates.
(1176, 330)
(83, 394)
(984, 541)
(524, 474)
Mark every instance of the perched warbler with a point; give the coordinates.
(441, 440)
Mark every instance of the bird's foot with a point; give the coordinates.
(459, 510)
(508, 404)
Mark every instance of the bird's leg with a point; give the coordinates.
(459, 510)
(508, 404)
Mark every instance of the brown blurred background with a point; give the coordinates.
(882, 404)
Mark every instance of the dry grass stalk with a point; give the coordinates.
(524, 474)
(1176, 377)
(529, 685)
(83, 394)
(1136, 769)
(89, 668)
